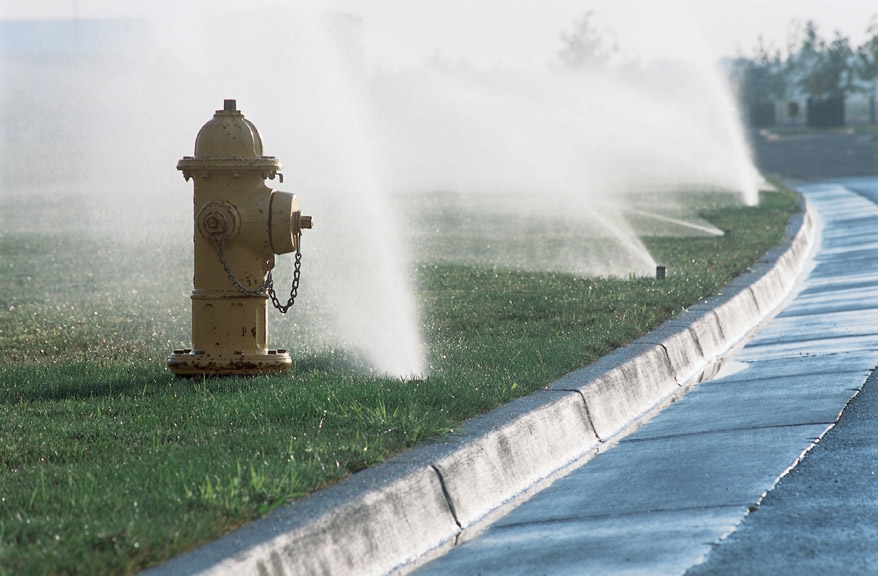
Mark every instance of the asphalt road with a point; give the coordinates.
(822, 517)
(817, 156)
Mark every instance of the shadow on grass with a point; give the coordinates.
(84, 380)
(79, 381)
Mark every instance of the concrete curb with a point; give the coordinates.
(392, 516)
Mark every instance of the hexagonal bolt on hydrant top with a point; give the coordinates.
(240, 225)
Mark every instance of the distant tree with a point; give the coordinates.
(587, 48)
(823, 71)
(762, 77)
(824, 68)
(866, 66)
(761, 81)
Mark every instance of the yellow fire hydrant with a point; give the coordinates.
(240, 224)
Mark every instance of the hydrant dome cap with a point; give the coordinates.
(228, 135)
(229, 142)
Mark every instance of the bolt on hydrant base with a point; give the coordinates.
(240, 225)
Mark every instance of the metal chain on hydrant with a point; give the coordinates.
(219, 247)
(294, 289)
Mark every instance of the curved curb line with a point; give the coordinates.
(392, 516)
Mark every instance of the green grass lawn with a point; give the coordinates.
(109, 464)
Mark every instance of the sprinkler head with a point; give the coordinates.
(660, 272)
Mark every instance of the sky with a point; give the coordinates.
(518, 33)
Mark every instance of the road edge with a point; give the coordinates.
(390, 517)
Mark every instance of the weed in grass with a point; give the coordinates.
(109, 464)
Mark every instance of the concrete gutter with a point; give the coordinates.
(394, 516)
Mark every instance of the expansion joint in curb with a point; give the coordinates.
(588, 414)
(447, 496)
(722, 331)
(668, 358)
(698, 345)
(763, 314)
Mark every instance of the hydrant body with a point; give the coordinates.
(240, 224)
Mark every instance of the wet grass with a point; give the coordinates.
(109, 464)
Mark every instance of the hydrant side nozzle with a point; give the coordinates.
(283, 224)
(304, 222)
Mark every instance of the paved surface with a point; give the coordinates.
(661, 500)
(822, 518)
(818, 155)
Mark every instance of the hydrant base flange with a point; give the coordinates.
(197, 363)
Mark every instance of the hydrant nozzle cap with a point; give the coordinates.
(229, 142)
